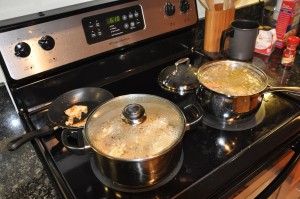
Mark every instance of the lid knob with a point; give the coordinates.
(134, 114)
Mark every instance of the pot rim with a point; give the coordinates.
(249, 66)
(164, 151)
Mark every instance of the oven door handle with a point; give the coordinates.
(280, 178)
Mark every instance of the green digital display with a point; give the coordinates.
(112, 20)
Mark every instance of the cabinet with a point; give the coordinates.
(289, 189)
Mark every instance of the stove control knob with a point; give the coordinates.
(47, 42)
(184, 6)
(22, 49)
(169, 9)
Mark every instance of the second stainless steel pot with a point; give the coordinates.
(234, 107)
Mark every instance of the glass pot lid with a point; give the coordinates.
(179, 78)
(135, 126)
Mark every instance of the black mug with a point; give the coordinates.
(243, 35)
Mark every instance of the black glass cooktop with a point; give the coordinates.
(205, 149)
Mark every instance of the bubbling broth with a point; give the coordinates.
(230, 80)
(121, 140)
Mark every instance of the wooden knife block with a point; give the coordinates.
(216, 21)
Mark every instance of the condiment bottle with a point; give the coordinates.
(289, 53)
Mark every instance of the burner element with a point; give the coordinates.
(235, 125)
(108, 182)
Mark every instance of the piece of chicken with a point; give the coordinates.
(75, 112)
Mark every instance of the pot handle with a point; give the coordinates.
(74, 141)
(194, 114)
(290, 90)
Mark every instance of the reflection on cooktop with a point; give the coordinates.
(235, 125)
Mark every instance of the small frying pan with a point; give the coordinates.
(88, 96)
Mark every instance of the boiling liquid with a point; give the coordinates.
(115, 138)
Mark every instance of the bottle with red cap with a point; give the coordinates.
(289, 53)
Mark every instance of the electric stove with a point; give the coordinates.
(122, 46)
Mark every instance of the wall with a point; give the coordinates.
(239, 4)
(15, 8)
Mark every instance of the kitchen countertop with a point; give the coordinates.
(22, 174)
(277, 74)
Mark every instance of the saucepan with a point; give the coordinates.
(136, 139)
(91, 97)
(231, 90)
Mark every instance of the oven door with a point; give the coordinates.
(280, 180)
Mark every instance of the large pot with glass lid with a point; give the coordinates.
(136, 139)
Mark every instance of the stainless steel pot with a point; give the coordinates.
(179, 78)
(227, 106)
(136, 139)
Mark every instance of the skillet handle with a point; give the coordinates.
(19, 141)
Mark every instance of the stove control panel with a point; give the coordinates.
(34, 49)
(113, 24)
